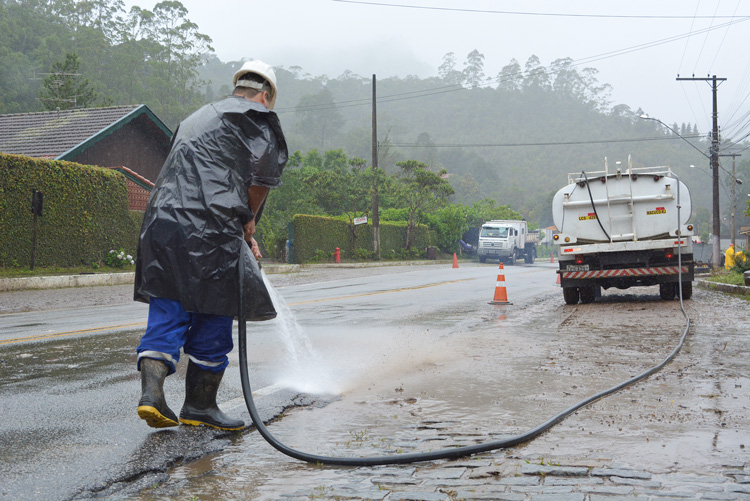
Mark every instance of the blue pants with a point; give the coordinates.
(205, 339)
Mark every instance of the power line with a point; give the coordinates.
(498, 80)
(705, 39)
(557, 143)
(525, 13)
(723, 38)
(684, 51)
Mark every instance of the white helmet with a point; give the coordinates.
(265, 71)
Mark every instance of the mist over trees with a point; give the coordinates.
(510, 137)
(102, 54)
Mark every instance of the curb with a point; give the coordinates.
(98, 279)
(103, 279)
(63, 281)
(734, 289)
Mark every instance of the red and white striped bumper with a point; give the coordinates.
(626, 272)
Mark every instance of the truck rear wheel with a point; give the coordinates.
(588, 294)
(687, 290)
(529, 256)
(571, 295)
(668, 291)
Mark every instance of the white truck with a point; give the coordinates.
(507, 240)
(621, 229)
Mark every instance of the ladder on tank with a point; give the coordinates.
(629, 202)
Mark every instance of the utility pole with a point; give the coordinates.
(375, 215)
(716, 252)
(734, 199)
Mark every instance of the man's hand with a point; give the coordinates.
(249, 230)
(254, 248)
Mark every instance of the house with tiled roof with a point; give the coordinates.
(139, 188)
(129, 138)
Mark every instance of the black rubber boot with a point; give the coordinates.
(153, 406)
(200, 406)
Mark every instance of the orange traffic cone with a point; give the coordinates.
(455, 260)
(501, 296)
(558, 279)
(552, 258)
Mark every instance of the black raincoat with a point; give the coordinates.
(192, 242)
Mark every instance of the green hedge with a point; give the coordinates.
(85, 213)
(313, 234)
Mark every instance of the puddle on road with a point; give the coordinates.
(428, 391)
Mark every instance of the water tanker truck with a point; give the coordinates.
(507, 240)
(620, 229)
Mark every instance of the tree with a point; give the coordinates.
(448, 72)
(473, 72)
(65, 88)
(357, 201)
(450, 223)
(318, 116)
(593, 93)
(488, 210)
(421, 191)
(567, 80)
(427, 149)
(510, 77)
(536, 76)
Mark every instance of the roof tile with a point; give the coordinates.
(52, 133)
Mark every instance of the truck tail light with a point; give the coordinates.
(579, 259)
(669, 253)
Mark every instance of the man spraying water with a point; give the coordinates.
(209, 196)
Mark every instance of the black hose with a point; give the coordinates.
(451, 453)
(593, 206)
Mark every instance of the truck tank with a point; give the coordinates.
(606, 206)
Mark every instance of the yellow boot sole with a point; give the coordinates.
(154, 418)
(192, 422)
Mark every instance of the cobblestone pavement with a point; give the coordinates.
(681, 434)
(514, 478)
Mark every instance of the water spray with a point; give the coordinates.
(454, 452)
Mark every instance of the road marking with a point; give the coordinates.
(141, 324)
(70, 333)
(389, 291)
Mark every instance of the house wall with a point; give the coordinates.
(137, 196)
(139, 145)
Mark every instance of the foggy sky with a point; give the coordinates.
(329, 37)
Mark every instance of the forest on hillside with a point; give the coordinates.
(510, 137)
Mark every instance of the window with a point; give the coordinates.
(494, 232)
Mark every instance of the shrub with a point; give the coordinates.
(118, 259)
(363, 255)
(85, 212)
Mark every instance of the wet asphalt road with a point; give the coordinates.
(421, 336)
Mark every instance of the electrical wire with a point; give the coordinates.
(523, 13)
(687, 41)
(718, 50)
(559, 143)
(697, 59)
(498, 80)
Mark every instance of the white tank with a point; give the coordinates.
(635, 204)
